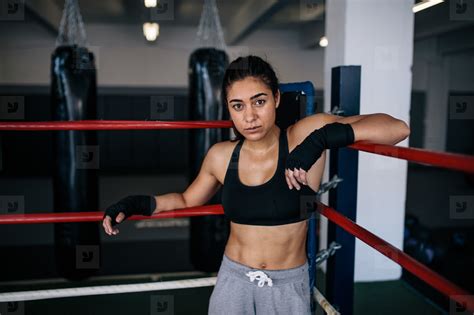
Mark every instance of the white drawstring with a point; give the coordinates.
(260, 276)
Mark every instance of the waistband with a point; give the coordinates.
(272, 277)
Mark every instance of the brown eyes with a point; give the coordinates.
(259, 102)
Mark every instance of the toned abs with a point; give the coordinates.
(266, 247)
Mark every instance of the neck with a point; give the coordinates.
(266, 143)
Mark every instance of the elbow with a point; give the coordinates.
(406, 129)
(403, 130)
(183, 203)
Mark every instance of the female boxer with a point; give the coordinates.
(264, 177)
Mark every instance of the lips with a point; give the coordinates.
(253, 128)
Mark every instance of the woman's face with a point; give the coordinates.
(251, 104)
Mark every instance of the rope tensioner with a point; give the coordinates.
(325, 187)
(324, 254)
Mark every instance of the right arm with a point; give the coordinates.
(197, 194)
(202, 189)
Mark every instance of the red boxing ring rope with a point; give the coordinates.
(453, 161)
(421, 271)
(63, 217)
(113, 125)
(418, 269)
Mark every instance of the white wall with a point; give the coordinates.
(124, 58)
(378, 35)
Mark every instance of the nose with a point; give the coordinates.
(250, 115)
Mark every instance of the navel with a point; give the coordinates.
(263, 266)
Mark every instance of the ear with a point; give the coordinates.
(277, 98)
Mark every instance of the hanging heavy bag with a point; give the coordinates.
(208, 234)
(76, 161)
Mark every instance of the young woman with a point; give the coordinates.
(264, 269)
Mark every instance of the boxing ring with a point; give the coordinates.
(440, 159)
(345, 99)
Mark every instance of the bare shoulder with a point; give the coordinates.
(219, 155)
(221, 149)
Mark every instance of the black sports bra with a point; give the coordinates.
(271, 203)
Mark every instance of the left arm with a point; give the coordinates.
(378, 128)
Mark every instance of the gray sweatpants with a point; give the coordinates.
(244, 290)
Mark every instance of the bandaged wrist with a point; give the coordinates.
(330, 136)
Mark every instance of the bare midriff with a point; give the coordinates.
(268, 247)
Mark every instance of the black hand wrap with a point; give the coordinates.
(330, 136)
(139, 204)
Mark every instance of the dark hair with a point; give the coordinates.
(249, 66)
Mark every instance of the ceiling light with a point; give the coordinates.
(151, 31)
(323, 41)
(425, 5)
(150, 3)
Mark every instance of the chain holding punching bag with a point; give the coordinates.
(208, 234)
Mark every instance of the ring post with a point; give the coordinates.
(345, 93)
(307, 88)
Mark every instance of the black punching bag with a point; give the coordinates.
(208, 234)
(76, 161)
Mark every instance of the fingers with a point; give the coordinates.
(287, 178)
(120, 217)
(294, 177)
(302, 176)
(107, 224)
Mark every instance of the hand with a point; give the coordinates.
(128, 206)
(299, 161)
(293, 178)
(305, 154)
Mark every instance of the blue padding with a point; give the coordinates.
(307, 88)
